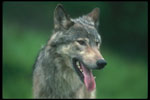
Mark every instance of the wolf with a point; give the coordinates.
(63, 68)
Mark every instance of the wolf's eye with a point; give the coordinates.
(81, 42)
(97, 44)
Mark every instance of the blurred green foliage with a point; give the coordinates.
(123, 28)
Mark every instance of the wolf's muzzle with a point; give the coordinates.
(101, 64)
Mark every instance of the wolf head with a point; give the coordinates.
(79, 40)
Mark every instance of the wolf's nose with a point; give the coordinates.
(101, 63)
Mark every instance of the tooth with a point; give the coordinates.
(78, 66)
(81, 70)
(77, 63)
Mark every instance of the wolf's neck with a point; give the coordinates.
(59, 73)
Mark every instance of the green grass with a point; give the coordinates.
(122, 78)
(19, 53)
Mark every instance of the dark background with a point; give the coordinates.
(124, 31)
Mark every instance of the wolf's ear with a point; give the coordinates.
(61, 18)
(94, 15)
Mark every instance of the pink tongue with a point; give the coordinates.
(88, 79)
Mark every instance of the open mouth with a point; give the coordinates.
(85, 74)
